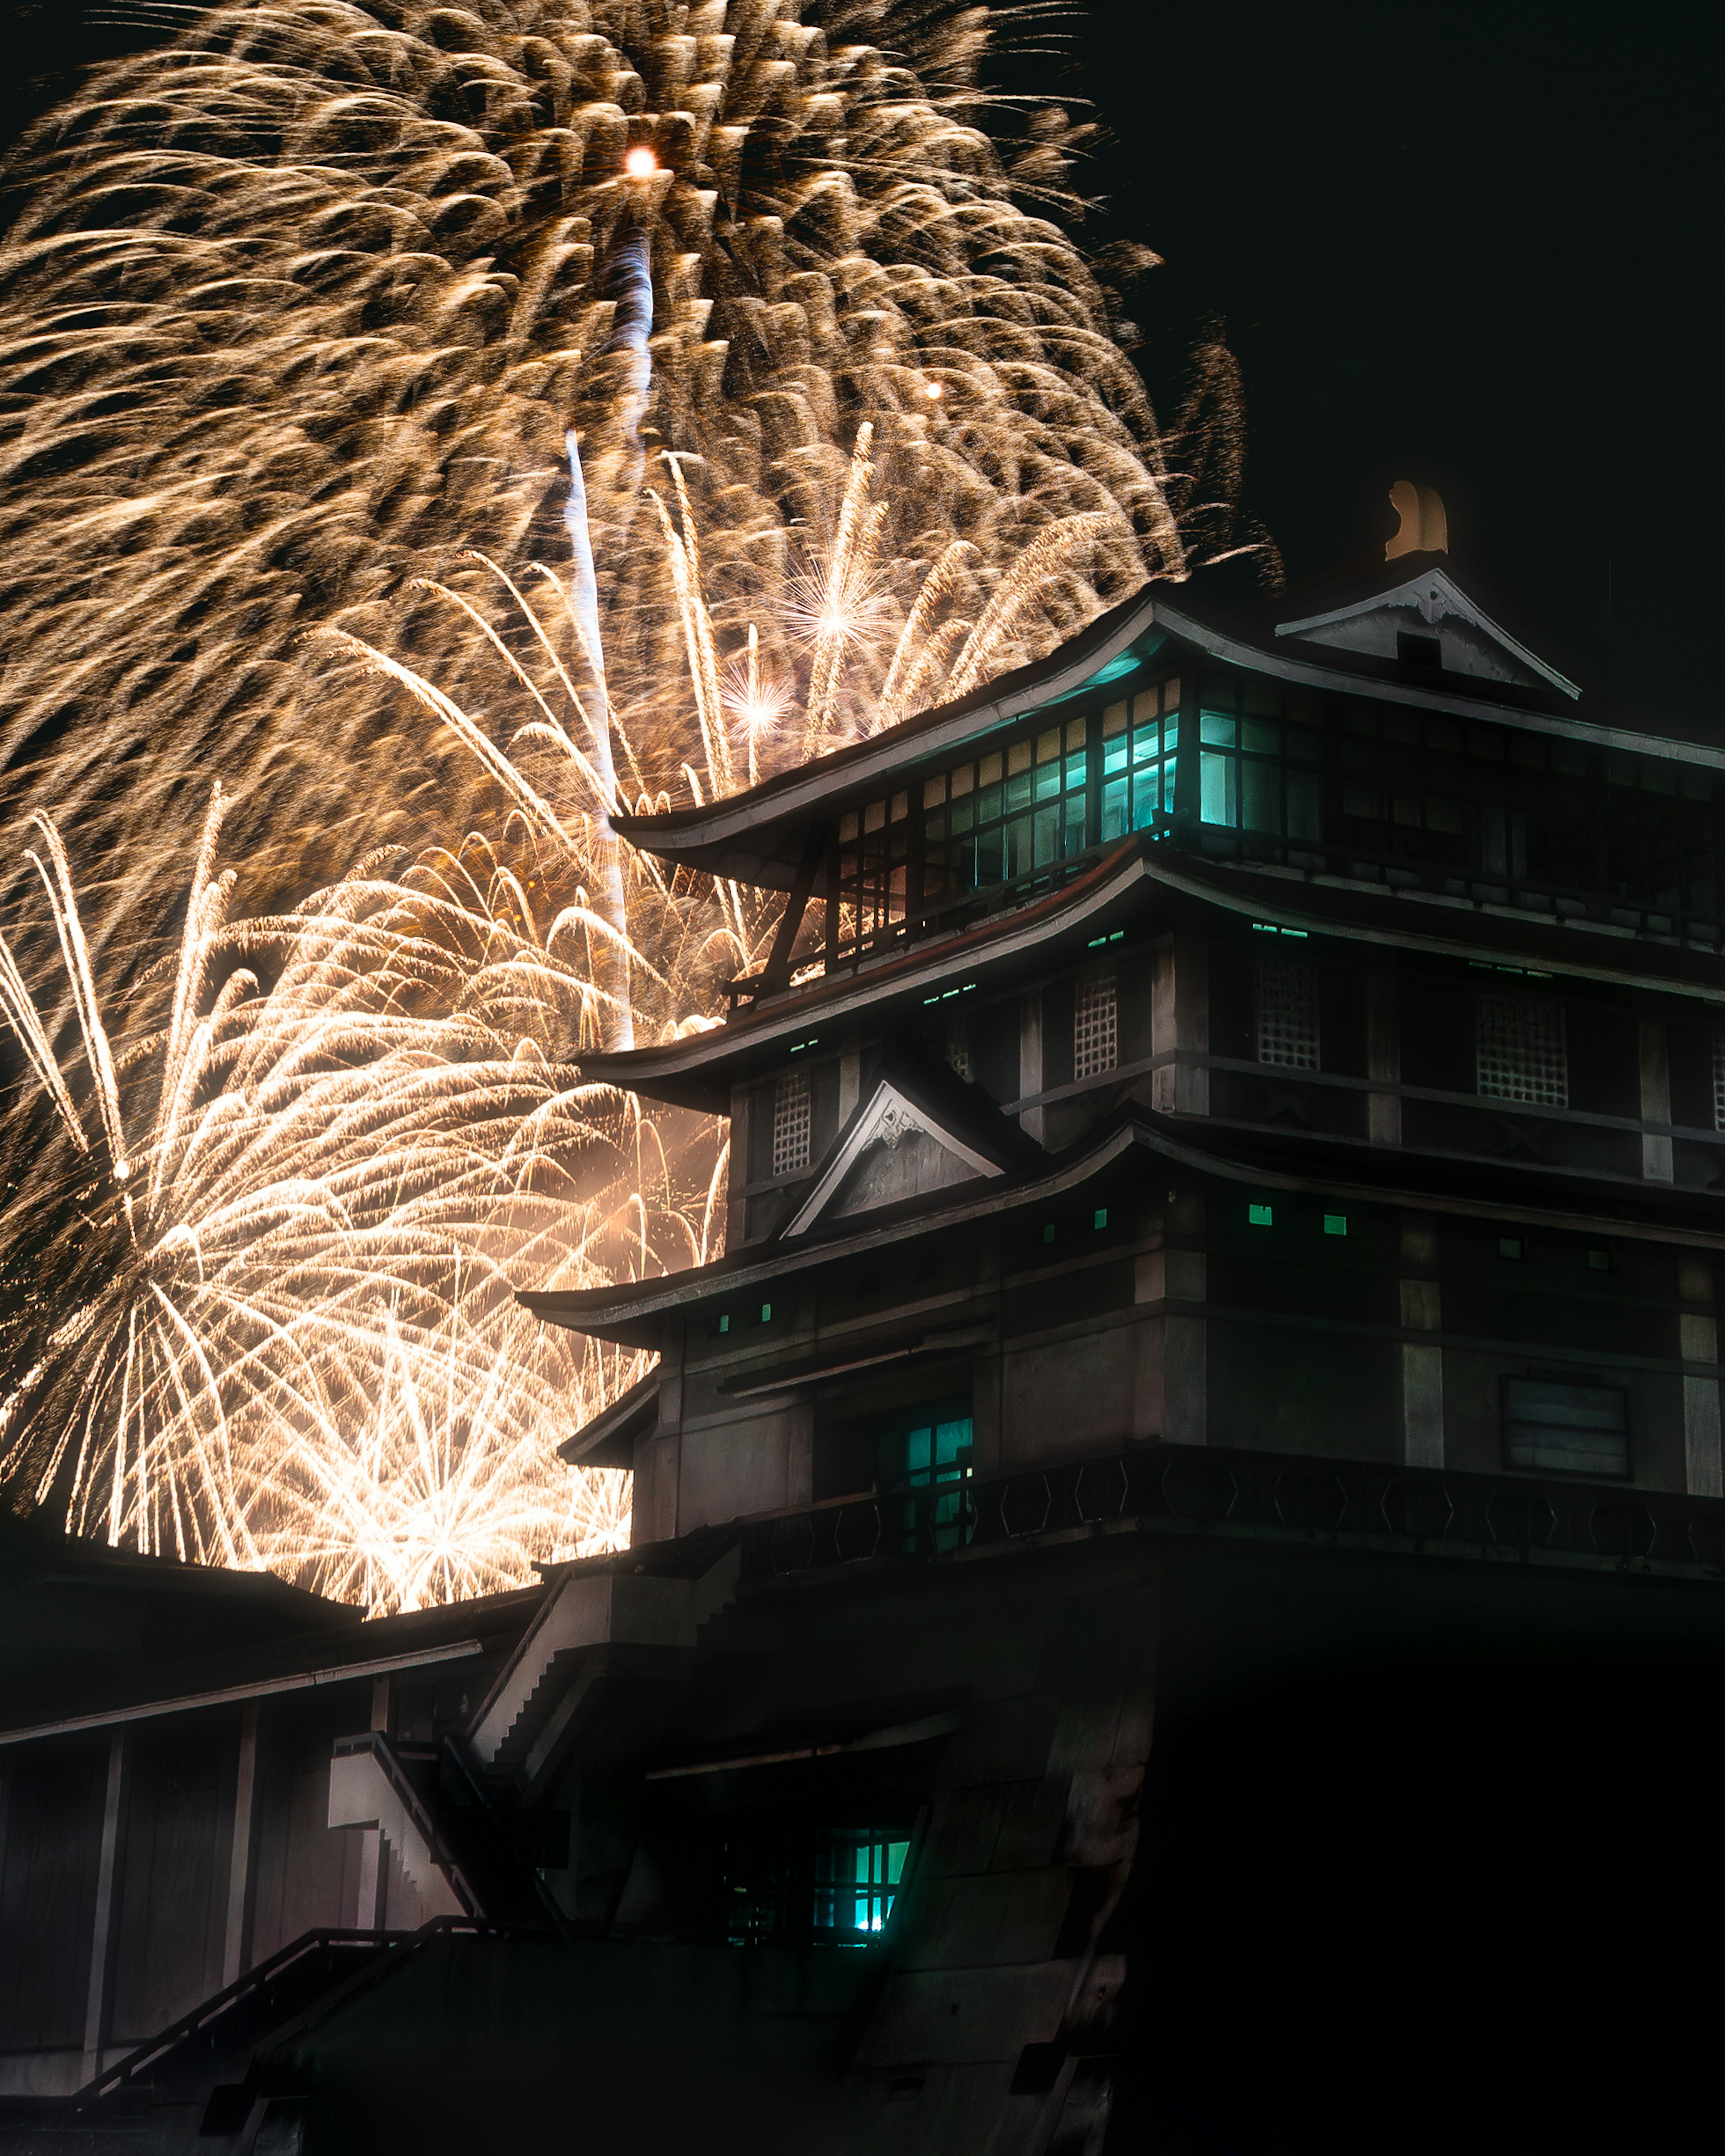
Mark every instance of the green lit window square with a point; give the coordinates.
(725, 1323)
(1048, 1232)
(1335, 1224)
(1216, 787)
(1099, 1219)
(1260, 1216)
(766, 1313)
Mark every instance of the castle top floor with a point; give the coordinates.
(1386, 734)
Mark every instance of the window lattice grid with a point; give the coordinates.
(1287, 1014)
(1719, 1081)
(1520, 1051)
(1096, 1029)
(791, 1123)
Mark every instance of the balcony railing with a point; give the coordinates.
(1284, 1496)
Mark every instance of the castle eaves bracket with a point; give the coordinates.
(888, 1118)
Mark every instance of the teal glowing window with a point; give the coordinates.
(1098, 1218)
(857, 1872)
(766, 1313)
(935, 1465)
(1260, 1216)
(1335, 1224)
(725, 1323)
(1048, 1231)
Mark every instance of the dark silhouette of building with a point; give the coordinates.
(1175, 1600)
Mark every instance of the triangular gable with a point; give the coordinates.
(927, 1155)
(1430, 604)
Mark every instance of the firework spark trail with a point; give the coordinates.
(287, 1335)
(303, 324)
(299, 308)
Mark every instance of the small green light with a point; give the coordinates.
(1100, 1218)
(927, 1000)
(1335, 1224)
(725, 1323)
(1117, 936)
(766, 1313)
(1300, 932)
(1260, 1216)
(1096, 943)
(1048, 1232)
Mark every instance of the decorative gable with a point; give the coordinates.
(1429, 619)
(895, 1149)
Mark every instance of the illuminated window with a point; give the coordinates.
(929, 1457)
(790, 1124)
(1287, 1014)
(1520, 1052)
(1095, 1033)
(857, 1872)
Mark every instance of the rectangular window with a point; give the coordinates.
(1096, 1042)
(1565, 1428)
(790, 1124)
(933, 1448)
(857, 1871)
(1520, 1052)
(1287, 1014)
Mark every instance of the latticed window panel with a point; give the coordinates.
(790, 1123)
(1096, 1029)
(1719, 1081)
(1287, 1014)
(1520, 1051)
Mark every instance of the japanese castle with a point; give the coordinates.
(1179, 1576)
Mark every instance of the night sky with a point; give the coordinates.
(1476, 245)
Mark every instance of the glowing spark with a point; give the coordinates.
(260, 1259)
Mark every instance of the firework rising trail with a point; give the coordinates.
(315, 329)
(276, 1247)
(299, 307)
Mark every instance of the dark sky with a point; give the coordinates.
(1473, 245)
(1478, 245)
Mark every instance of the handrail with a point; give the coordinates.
(218, 2002)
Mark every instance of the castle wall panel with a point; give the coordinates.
(1279, 1389)
(1068, 1398)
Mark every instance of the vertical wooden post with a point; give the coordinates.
(236, 1945)
(99, 2000)
(1422, 1360)
(1703, 1470)
(1655, 1102)
(1030, 1120)
(373, 1867)
(1383, 1058)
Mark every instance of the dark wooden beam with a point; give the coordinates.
(776, 974)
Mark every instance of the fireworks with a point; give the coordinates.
(276, 1324)
(434, 423)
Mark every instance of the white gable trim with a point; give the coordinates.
(889, 1117)
(1435, 594)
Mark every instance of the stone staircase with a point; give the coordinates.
(597, 1618)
